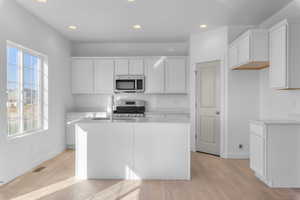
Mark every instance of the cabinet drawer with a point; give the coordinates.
(257, 129)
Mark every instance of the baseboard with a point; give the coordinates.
(242, 155)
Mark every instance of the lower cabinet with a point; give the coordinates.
(274, 149)
(258, 153)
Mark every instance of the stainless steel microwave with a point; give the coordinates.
(129, 83)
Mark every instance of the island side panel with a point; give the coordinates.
(162, 151)
(109, 150)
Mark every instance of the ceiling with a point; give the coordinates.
(161, 20)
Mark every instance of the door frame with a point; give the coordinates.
(223, 132)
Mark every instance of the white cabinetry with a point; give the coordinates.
(233, 55)
(163, 75)
(166, 75)
(82, 76)
(250, 50)
(155, 75)
(273, 149)
(257, 149)
(118, 150)
(104, 76)
(136, 67)
(244, 49)
(129, 66)
(175, 75)
(121, 67)
(284, 55)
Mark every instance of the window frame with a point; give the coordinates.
(41, 87)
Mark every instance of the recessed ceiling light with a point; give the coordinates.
(131, 0)
(41, 1)
(171, 49)
(72, 27)
(203, 26)
(137, 26)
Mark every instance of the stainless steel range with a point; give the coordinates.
(129, 108)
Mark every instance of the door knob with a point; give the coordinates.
(218, 113)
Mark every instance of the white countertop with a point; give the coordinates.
(137, 120)
(277, 121)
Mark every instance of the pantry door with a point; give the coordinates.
(208, 107)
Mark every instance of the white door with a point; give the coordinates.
(175, 75)
(104, 76)
(155, 75)
(121, 67)
(208, 107)
(278, 60)
(82, 76)
(136, 67)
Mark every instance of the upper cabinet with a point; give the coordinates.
(250, 51)
(175, 75)
(155, 68)
(129, 66)
(104, 76)
(82, 76)
(121, 67)
(284, 55)
(166, 75)
(136, 67)
(163, 75)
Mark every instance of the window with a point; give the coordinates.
(24, 90)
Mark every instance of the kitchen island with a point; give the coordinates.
(133, 149)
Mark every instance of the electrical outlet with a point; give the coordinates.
(241, 146)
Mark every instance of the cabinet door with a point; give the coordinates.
(82, 77)
(278, 57)
(175, 75)
(104, 76)
(257, 154)
(233, 56)
(136, 67)
(121, 67)
(244, 50)
(155, 70)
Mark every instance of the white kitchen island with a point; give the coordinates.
(133, 149)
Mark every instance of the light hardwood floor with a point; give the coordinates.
(212, 179)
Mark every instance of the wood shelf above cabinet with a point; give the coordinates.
(250, 51)
(253, 66)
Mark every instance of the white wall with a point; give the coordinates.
(290, 11)
(20, 155)
(275, 103)
(85, 49)
(240, 90)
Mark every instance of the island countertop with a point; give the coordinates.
(136, 120)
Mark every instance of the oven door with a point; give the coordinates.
(125, 85)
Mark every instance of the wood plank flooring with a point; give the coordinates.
(213, 178)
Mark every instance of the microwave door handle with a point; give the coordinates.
(135, 82)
